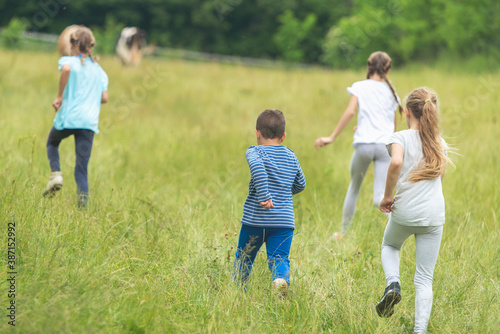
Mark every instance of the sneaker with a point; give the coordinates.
(338, 235)
(83, 199)
(55, 183)
(392, 296)
(281, 286)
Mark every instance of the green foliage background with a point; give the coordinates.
(342, 34)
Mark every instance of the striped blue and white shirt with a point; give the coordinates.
(275, 174)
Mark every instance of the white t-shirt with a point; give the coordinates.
(376, 107)
(416, 203)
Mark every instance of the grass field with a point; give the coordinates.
(153, 252)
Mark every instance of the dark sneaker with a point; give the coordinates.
(392, 296)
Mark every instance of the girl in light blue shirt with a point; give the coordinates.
(83, 86)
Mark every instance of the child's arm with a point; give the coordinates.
(397, 154)
(344, 120)
(445, 151)
(105, 82)
(299, 183)
(63, 80)
(259, 176)
(395, 119)
(104, 97)
(267, 204)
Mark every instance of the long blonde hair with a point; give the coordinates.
(379, 62)
(423, 104)
(83, 40)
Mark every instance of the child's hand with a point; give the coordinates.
(322, 141)
(57, 103)
(267, 204)
(386, 204)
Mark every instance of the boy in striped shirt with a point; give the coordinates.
(275, 175)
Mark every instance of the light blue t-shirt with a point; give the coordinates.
(81, 103)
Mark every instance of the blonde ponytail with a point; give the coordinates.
(422, 103)
(83, 40)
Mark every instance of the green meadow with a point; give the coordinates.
(153, 252)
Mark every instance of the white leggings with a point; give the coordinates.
(363, 155)
(427, 240)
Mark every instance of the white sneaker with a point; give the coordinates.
(338, 235)
(281, 286)
(55, 183)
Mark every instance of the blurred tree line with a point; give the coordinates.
(341, 33)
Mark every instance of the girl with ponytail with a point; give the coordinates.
(83, 42)
(377, 104)
(83, 86)
(418, 161)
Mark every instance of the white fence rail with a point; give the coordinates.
(191, 55)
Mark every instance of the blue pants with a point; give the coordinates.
(278, 242)
(83, 146)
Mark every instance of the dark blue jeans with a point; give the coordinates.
(278, 242)
(83, 146)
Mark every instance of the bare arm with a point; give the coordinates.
(104, 97)
(344, 120)
(63, 81)
(445, 153)
(397, 153)
(395, 120)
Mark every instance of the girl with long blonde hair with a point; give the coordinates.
(418, 162)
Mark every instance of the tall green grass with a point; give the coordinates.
(153, 252)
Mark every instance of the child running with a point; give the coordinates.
(418, 161)
(377, 103)
(83, 86)
(275, 175)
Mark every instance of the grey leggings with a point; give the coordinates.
(363, 155)
(427, 241)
